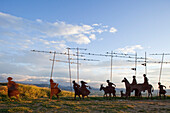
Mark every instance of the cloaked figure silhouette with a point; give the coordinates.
(54, 89)
(83, 89)
(12, 88)
(76, 88)
(161, 90)
(134, 82)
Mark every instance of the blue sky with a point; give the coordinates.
(100, 26)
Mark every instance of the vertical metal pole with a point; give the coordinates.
(52, 65)
(77, 65)
(135, 63)
(145, 65)
(161, 67)
(69, 68)
(111, 67)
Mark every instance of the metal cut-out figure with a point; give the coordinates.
(161, 90)
(122, 94)
(134, 82)
(54, 89)
(145, 79)
(108, 90)
(83, 89)
(76, 88)
(12, 88)
(139, 87)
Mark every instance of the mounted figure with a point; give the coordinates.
(108, 90)
(12, 88)
(134, 82)
(161, 90)
(76, 88)
(54, 89)
(139, 87)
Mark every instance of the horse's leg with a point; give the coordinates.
(58, 97)
(51, 96)
(74, 96)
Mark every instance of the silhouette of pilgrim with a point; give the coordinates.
(161, 90)
(145, 79)
(134, 80)
(76, 89)
(54, 89)
(12, 88)
(110, 84)
(83, 89)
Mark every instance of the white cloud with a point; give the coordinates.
(92, 36)
(26, 29)
(129, 49)
(113, 30)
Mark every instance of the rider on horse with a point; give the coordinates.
(110, 84)
(134, 80)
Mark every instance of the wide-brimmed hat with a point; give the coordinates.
(9, 78)
(51, 80)
(83, 82)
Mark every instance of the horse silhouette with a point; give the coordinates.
(108, 90)
(139, 87)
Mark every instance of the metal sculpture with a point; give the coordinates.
(54, 89)
(139, 87)
(161, 90)
(12, 88)
(108, 90)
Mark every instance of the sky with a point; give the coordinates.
(99, 26)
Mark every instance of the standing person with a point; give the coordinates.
(54, 89)
(161, 90)
(12, 88)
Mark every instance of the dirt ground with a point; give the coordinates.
(93, 105)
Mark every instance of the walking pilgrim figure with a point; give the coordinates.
(83, 89)
(54, 89)
(76, 88)
(161, 90)
(12, 88)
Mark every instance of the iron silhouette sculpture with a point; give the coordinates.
(54, 89)
(161, 90)
(134, 82)
(77, 91)
(108, 90)
(139, 87)
(81, 90)
(122, 94)
(12, 88)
